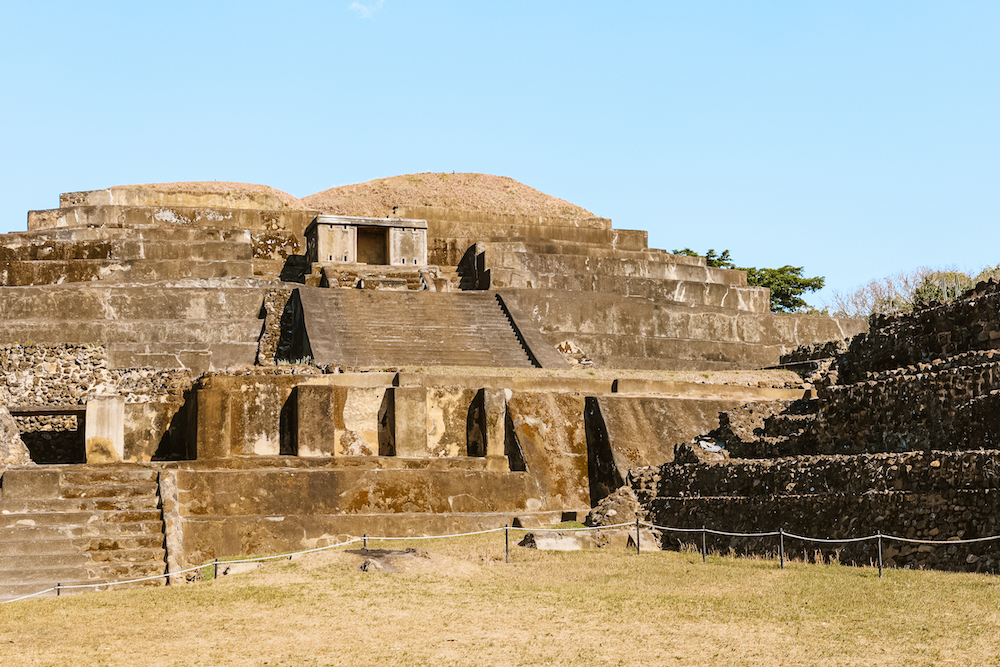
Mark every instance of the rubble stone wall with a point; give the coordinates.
(945, 330)
(924, 516)
(911, 472)
(917, 495)
(67, 374)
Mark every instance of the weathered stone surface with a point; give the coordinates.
(550, 432)
(621, 506)
(12, 449)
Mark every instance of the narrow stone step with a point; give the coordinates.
(95, 476)
(31, 517)
(138, 555)
(88, 573)
(29, 547)
(63, 531)
(105, 490)
(63, 505)
(43, 561)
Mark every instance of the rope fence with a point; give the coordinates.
(637, 525)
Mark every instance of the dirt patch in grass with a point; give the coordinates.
(470, 192)
(464, 606)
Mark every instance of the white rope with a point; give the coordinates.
(438, 537)
(25, 597)
(285, 556)
(830, 541)
(728, 534)
(573, 528)
(954, 541)
(132, 581)
(676, 530)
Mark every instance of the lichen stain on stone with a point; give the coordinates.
(101, 450)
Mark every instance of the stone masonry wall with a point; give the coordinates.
(917, 495)
(969, 323)
(918, 407)
(65, 374)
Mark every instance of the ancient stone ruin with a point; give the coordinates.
(202, 370)
(900, 437)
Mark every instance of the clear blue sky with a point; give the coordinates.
(856, 139)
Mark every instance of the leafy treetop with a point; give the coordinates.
(787, 284)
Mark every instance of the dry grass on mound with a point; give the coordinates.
(463, 606)
(472, 192)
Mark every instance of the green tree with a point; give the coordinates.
(787, 283)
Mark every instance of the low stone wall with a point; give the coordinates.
(919, 495)
(913, 515)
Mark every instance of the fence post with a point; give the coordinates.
(880, 554)
(704, 548)
(637, 548)
(506, 544)
(58, 590)
(781, 546)
(364, 540)
(215, 571)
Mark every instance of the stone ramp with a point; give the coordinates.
(372, 328)
(74, 525)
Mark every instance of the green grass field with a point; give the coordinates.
(462, 605)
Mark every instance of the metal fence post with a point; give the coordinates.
(58, 590)
(781, 546)
(637, 547)
(364, 540)
(880, 554)
(704, 548)
(506, 544)
(215, 571)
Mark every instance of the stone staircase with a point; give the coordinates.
(364, 328)
(78, 525)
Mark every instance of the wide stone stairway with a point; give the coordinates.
(72, 525)
(362, 328)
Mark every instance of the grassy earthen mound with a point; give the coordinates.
(470, 192)
(221, 188)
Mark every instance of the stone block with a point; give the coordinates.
(410, 421)
(315, 410)
(213, 428)
(30, 484)
(105, 430)
(495, 413)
